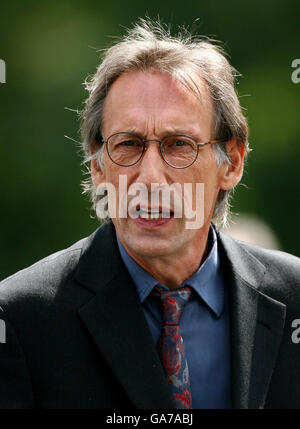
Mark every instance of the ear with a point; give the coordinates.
(232, 174)
(98, 172)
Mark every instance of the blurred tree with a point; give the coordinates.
(50, 47)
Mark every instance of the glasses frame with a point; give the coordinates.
(144, 141)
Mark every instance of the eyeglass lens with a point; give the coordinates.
(126, 149)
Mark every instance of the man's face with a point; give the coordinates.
(154, 105)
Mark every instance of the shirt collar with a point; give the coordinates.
(206, 281)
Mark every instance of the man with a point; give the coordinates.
(148, 312)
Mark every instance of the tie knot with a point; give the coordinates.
(173, 302)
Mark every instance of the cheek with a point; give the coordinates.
(111, 171)
(207, 173)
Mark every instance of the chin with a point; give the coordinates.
(151, 248)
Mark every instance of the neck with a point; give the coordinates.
(173, 270)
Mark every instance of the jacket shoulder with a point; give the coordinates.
(275, 260)
(281, 264)
(43, 277)
(272, 272)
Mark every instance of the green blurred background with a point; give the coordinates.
(51, 46)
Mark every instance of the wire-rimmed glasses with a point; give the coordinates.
(177, 150)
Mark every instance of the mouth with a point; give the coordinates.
(154, 213)
(151, 217)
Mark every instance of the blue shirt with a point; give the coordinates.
(204, 326)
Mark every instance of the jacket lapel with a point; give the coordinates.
(257, 323)
(116, 322)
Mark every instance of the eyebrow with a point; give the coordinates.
(167, 131)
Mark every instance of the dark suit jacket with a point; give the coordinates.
(76, 335)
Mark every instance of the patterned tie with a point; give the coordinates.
(170, 345)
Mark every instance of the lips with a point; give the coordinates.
(153, 214)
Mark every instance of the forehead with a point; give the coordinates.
(145, 99)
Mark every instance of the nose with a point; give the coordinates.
(152, 167)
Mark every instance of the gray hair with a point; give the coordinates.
(149, 46)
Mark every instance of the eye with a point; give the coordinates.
(130, 143)
(180, 143)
